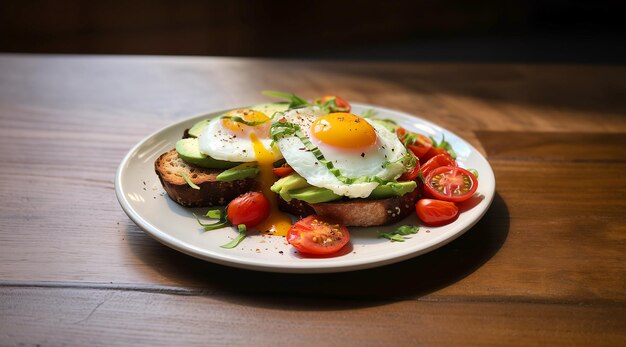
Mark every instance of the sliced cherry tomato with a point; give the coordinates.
(342, 105)
(412, 174)
(450, 183)
(282, 171)
(436, 212)
(443, 159)
(250, 209)
(416, 143)
(434, 151)
(318, 235)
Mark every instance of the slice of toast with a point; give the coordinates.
(357, 212)
(211, 193)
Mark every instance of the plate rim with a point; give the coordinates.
(306, 267)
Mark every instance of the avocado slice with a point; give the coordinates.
(314, 195)
(391, 189)
(189, 151)
(239, 172)
(295, 186)
(286, 184)
(268, 109)
(389, 124)
(196, 129)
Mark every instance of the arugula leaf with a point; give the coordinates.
(217, 214)
(399, 234)
(474, 172)
(238, 238)
(188, 180)
(223, 220)
(295, 101)
(444, 144)
(329, 106)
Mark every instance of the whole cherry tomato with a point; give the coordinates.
(436, 212)
(249, 209)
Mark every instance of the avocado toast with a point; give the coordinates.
(194, 179)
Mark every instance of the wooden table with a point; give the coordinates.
(545, 266)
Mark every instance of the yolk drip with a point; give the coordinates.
(344, 130)
(278, 223)
(246, 115)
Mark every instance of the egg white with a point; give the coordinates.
(219, 143)
(351, 163)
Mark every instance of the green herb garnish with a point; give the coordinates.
(294, 100)
(241, 120)
(186, 178)
(369, 113)
(217, 214)
(399, 234)
(444, 144)
(238, 238)
(474, 172)
(420, 175)
(329, 106)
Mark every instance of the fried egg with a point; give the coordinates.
(229, 138)
(225, 138)
(354, 145)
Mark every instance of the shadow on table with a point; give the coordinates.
(409, 279)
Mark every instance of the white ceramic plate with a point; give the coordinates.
(140, 193)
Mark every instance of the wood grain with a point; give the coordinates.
(164, 319)
(545, 266)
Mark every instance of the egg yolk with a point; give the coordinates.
(251, 116)
(278, 223)
(344, 130)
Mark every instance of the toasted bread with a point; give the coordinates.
(211, 193)
(357, 212)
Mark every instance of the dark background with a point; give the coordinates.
(482, 31)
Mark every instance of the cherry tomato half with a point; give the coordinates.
(250, 209)
(416, 143)
(450, 183)
(436, 212)
(342, 105)
(317, 235)
(443, 159)
(282, 171)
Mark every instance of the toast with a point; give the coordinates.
(357, 212)
(211, 193)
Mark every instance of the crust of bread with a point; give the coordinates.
(211, 193)
(358, 212)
